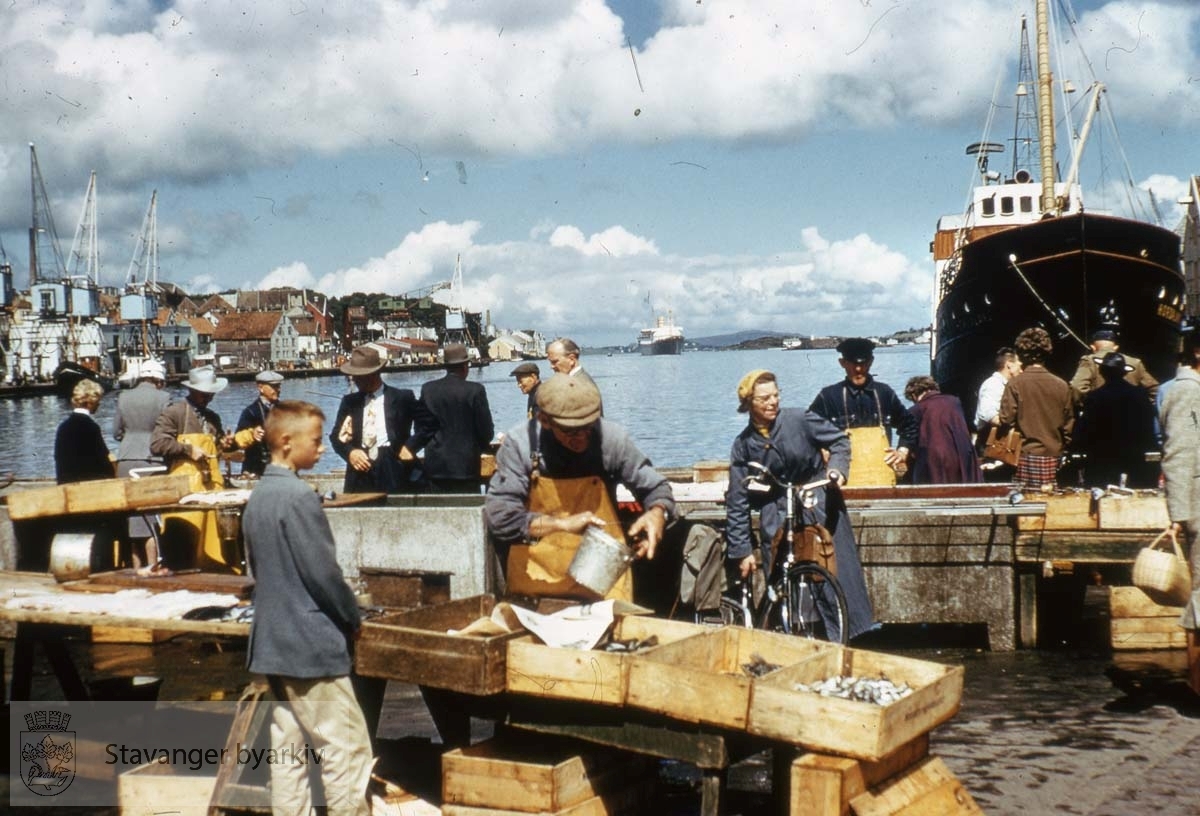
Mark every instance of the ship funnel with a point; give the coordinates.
(1024, 177)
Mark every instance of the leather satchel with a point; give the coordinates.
(1006, 447)
(815, 543)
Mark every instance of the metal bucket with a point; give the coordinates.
(71, 556)
(600, 561)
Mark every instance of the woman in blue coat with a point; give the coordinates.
(789, 443)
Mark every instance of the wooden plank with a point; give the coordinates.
(1131, 602)
(128, 634)
(864, 730)
(238, 585)
(1137, 512)
(157, 788)
(355, 499)
(1069, 511)
(100, 496)
(1147, 633)
(927, 788)
(824, 785)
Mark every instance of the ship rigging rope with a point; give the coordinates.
(1045, 305)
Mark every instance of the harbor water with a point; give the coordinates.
(680, 409)
(1070, 729)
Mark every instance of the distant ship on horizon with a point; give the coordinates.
(664, 337)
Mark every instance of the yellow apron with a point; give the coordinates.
(540, 569)
(868, 446)
(199, 529)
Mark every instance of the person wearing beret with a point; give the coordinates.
(249, 432)
(1088, 376)
(378, 429)
(556, 476)
(869, 411)
(790, 443)
(528, 379)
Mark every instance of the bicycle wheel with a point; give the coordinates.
(808, 602)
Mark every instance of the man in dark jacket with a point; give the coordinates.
(1116, 429)
(868, 411)
(249, 433)
(378, 429)
(464, 427)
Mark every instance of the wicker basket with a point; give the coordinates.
(1163, 574)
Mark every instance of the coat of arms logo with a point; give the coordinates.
(47, 753)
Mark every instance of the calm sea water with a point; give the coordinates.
(680, 409)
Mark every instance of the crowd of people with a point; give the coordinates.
(559, 469)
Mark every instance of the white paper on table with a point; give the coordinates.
(575, 627)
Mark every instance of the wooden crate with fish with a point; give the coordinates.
(707, 678)
(597, 675)
(853, 702)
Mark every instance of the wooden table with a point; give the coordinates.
(49, 628)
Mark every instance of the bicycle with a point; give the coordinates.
(802, 597)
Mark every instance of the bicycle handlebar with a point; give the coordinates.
(761, 471)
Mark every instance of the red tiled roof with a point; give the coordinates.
(247, 326)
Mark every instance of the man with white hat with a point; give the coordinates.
(374, 429)
(189, 436)
(556, 476)
(249, 432)
(138, 409)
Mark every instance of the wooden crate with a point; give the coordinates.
(1134, 513)
(1070, 511)
(701, 680)
(1136, 622)
(927, 787)
(824, 785)
(405, 589)
(158, 788)
(102, 495)
(552, 776)
(710, 471)
(416, 647)
(847, 727)
(593, 675)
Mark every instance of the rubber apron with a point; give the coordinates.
(868, 447)
(540, 568)
(199, 528)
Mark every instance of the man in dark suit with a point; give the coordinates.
(374, 430)
(249, 433)
(464, 426)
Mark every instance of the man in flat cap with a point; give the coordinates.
(528, 379)
(378, 429)
(1088, 376)
(556, 476)
(249, 433)
(463, 422)
(868, 411)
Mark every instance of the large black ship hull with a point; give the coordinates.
(1071, 274)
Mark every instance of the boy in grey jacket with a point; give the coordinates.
(305, 621)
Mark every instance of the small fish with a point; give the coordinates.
(758, 667)
(878, 690)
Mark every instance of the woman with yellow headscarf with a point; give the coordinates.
(789, 443)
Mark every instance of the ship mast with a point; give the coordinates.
(43, 224)
(84, 261)
(1045, 108)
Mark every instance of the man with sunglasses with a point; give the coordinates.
(556, 476)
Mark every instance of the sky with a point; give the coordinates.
(742, 164)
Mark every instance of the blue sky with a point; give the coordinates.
(753, 164)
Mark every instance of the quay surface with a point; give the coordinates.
(1069, 730)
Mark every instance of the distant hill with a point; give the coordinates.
(734, 339)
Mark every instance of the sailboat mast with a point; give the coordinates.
(1045, 107)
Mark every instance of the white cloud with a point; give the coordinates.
(852, 285)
